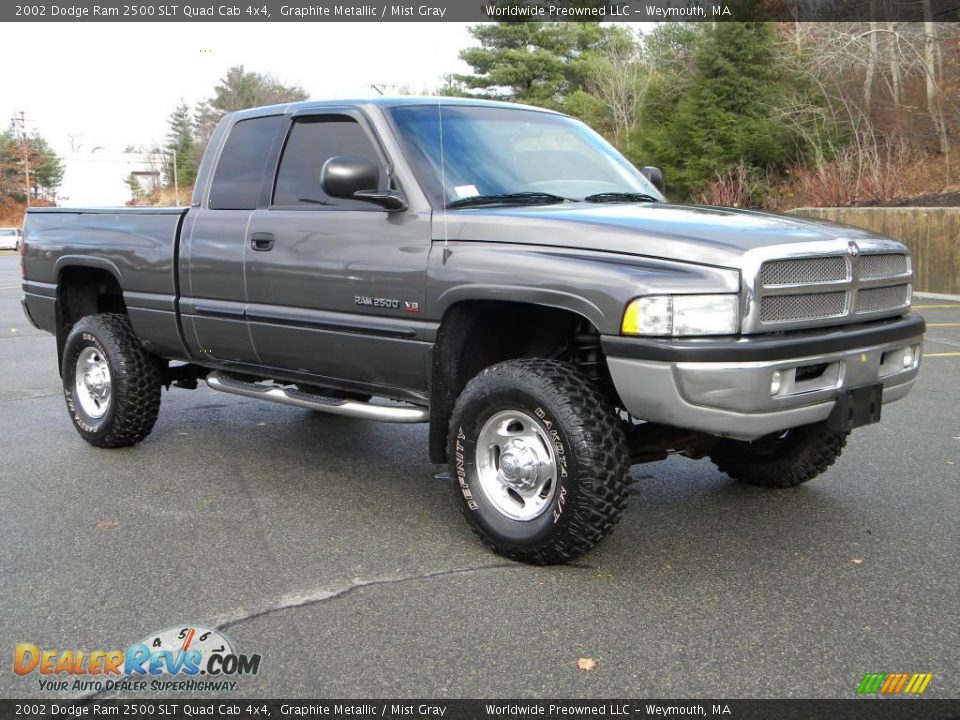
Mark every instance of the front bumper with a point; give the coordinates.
(723, 387)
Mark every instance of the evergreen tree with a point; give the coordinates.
(46, 167)
(181, 144)
(536, 63)
(723, 115)
(238, 90)
(136, 189)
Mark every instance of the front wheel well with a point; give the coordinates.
(476, 334)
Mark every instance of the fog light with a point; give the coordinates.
(775, 381)
(909, 355)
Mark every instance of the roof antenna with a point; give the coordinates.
(443, 185)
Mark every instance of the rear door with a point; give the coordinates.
(337, 287)
(217, 241)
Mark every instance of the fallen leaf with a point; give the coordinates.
(857, 561)
(668, 567)
(106, 523)
(586, 664)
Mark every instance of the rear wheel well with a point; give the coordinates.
(83, 291)
(476, 334)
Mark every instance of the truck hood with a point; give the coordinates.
(686, 233)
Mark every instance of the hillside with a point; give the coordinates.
(11, 210)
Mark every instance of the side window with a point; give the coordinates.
(236, 182)
(311, 143)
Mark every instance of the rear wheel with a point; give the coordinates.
(782, 460)
(111, 384)
(538, 459)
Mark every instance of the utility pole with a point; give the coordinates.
(176, 181)
(20, 121)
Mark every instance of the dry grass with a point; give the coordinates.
(734, 188)
(865, 179)
(11, 211)
(164, 197)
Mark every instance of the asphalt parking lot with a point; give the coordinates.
(332, 548)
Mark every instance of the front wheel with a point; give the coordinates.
(538, 459)
(111, 384)
(782, 460)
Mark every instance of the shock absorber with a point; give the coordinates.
(586, 352)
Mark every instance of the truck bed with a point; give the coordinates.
(137, 245)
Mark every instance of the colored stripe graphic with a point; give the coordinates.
(894, 683)
(870, 683)
(922, 682)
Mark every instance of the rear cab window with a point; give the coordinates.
(243, 162)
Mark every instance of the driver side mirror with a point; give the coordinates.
(358, 178)
(654, 175)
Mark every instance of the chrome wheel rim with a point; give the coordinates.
(92, 382)
(516, 465)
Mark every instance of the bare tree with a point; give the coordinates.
(617, 77)
(930, 60)
(871, 69)
(894, 59)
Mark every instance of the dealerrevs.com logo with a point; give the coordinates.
(183, 658)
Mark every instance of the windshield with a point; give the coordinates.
(4, 232)
(491, 151)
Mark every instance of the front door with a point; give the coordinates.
(336, 288)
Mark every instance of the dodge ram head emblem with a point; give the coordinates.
(853, 248)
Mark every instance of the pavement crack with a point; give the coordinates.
(294, 601)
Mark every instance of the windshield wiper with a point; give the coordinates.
(614, 197)
(517, 198)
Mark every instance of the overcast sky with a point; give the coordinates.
(113, 84)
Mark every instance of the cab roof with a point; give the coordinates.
(384, 102)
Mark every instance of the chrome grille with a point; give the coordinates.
(811, 306)
(873, 267)
(882, 298)
(803, 271)
(825, 283)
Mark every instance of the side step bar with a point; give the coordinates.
(336, 406)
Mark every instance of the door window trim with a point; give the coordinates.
(388, 177)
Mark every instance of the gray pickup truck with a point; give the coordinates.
(497, 271)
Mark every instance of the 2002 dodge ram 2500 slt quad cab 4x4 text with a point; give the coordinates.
(497, 271)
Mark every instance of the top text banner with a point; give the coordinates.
(479, 11)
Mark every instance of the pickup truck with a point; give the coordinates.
(500, 272)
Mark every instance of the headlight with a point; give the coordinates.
(682, 315)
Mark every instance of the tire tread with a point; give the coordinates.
(136, 384)
(599, 447)
(812, 450)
